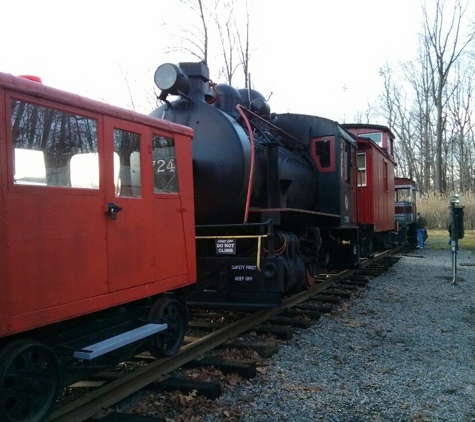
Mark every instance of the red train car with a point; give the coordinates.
(96, 219)
(375, 185)
(405, 209)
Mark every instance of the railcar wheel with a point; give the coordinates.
(29, 381)
(171, 312)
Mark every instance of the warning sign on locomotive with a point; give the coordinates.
(226, 246)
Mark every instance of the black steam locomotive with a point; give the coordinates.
(274, 193)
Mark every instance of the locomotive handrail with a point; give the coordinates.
(295, 142)
(254, 236)
(207, 226)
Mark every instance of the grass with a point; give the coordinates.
(438, 240)
(435, 208)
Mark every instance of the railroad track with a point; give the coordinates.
(158, 370)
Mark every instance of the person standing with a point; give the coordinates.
(421, 228)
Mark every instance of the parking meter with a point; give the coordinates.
(456, 229)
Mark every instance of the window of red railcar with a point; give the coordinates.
(53, 148)
(361, 165)
(377, 137)
(164, 165)
(127, 164)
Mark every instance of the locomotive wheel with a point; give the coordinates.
(171, 312)
(30, 381)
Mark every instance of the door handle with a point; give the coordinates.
(112, 210)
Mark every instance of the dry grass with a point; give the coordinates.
(436, 209)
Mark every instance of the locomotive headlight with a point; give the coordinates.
(170, 80)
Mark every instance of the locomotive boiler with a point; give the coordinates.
(273, 192)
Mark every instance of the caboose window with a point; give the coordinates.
(164, 165)
(52, 147)
(377, 137)
(361, 164)
(127, 163)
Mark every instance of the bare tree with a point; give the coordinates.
(228, 36)
(194, 38)
(428, 107)
(399, 113)
(235, 43)
(418, 76)
(459, 117)
(444, 44)
(215, 34)
(243, 45)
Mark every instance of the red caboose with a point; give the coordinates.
(375, 180)
(96, 221)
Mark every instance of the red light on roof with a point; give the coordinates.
(32, 78)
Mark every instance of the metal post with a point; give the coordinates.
(270, 238)
(456, 231)
(455, 245)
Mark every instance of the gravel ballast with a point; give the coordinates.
(403, 350)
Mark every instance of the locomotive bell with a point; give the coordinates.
(260, 107)
(228, 99)
(254, 101)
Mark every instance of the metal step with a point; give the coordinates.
(113, 343)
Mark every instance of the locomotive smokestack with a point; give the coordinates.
(198, 73)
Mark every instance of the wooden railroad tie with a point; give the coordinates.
(246, 369)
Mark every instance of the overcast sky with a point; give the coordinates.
(315, 56)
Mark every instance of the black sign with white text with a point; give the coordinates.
(226, 246)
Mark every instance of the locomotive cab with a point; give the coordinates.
(333, 152)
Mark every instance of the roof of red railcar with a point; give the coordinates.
(27, 85)
(368, 126)
(404, 181)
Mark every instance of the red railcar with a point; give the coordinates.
(375, 185)
(405, 209)
(96, 215)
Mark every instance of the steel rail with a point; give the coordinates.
(108, 395)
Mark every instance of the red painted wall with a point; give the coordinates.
(61, 255)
